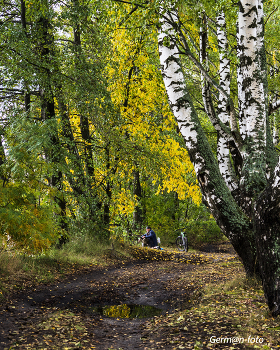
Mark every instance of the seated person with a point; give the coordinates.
(150, 237)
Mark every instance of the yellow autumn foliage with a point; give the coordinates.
(137, 89)
(23, 224)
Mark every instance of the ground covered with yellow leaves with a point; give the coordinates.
(157, 300)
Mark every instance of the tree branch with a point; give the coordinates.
(273, 107)
(130, 3)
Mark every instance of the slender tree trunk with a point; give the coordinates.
(252, 107)
(77, 179)
(223, 110)
(137, 192)
(84, 122)
(53, 156)
(84, 126)
(53, 153)
(2, 161)
(108, 190)
(94, 202)
(176, 206)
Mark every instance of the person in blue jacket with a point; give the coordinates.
(150, 237)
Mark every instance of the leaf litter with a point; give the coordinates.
(201, 296)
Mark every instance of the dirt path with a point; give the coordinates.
(67, 315)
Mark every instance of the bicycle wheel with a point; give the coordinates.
(180, 243)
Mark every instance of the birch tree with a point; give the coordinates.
(241, 184)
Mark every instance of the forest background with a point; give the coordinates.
(88, 144)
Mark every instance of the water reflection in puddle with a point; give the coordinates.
(128, 311)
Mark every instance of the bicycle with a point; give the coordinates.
(182, 242)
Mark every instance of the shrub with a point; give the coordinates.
(200, 232)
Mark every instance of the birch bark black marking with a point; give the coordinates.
(223, 146)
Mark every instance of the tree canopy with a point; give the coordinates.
(86, 130)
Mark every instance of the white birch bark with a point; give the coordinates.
(241, 92)
(205, 85)
(276, 181)
(223, 153)
(250, 85)
(262, 59)
(275, 105)
(275, 130)
(250, 232)
(251, 94)
(201, 155)
(179, 101)
(174, 83)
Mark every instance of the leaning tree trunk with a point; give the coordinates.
(259, 156)
(248, 212)
(267, 226)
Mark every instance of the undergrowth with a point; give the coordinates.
(19, 270)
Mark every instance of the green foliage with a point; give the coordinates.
(200, 232)
(164, 212)
(168, 216)
(24, 224)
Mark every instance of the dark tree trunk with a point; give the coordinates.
(267, 233)
(106, 207)
(137, 215)
(2, 160)
(84, 125)
(76, 180)
(176, 206)
(94, 202)
(52, 153)
(23, 14)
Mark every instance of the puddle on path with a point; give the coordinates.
(128, 311)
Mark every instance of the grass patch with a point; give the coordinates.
(83, 250)
(18, 271)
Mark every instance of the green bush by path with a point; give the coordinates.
(200, 232)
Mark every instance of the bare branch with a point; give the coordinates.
(130, 3)
(271, 14)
